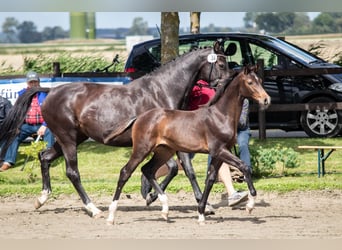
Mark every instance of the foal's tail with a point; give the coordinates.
(121, 129)
(15, 118)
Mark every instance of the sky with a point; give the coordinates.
(125, 19)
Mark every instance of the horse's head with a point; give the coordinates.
(215, 66)
(251, 86)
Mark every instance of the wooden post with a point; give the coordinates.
(56, 69)
(261, 113)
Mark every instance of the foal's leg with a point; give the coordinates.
(125, 173)
(209, 182)
(146, 186)
(160, 156)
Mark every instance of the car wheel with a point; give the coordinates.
(323, 122)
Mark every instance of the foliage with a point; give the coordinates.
(68, 63)
(27, 33)
(139, 27)
(267, 160)
(31, 153)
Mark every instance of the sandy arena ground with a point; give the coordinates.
(295, 215)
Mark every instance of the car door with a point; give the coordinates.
(280, 88)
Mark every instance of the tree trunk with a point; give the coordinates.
(169, 36)
(195, 18)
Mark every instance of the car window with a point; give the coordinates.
(272, 60)
(234, 54)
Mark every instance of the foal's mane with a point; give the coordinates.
(222, 89)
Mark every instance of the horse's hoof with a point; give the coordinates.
(149, 199)
(98, 215)
(165, 216)
(110, 222)
(249, 209)
(37, 204)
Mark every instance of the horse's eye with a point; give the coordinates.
(222, 65)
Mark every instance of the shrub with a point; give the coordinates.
(271, 161)
(68, 63)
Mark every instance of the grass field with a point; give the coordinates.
(100, 166)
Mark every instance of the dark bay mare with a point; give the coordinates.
(78, 111)
(210, 129)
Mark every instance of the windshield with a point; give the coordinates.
(292, 50)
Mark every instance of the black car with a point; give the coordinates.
(242, 49)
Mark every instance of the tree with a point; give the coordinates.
(139, 27)
(275, 22)
(249, 19)
(326, 22)
(53, 33)
(28, 33)
(195, 18)
(169, 36)
(9, 28)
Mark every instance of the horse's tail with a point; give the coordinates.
(15, 118)
(122, 128)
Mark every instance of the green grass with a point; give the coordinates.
(100, 165)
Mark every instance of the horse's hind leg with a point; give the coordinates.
(146, 186)
(46, 157)
(160, 156)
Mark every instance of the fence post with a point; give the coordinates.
(261, 113)
(56, 69)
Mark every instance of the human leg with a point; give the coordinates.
(234, 197)
(11, 153)
(243, 143)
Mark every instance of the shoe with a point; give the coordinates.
(237, 197)
(5, 166)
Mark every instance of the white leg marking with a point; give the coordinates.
(94, 211)
(42, 199)
(201, 219)
(165, 207)
(112, 208)
(250, 204)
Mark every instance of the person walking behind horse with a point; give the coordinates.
(33, 123)
(224, 174)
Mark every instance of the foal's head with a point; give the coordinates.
(250, 86)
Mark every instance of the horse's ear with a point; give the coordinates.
(218, 47)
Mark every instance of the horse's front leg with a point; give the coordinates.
(209, 182)
(190, 173)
